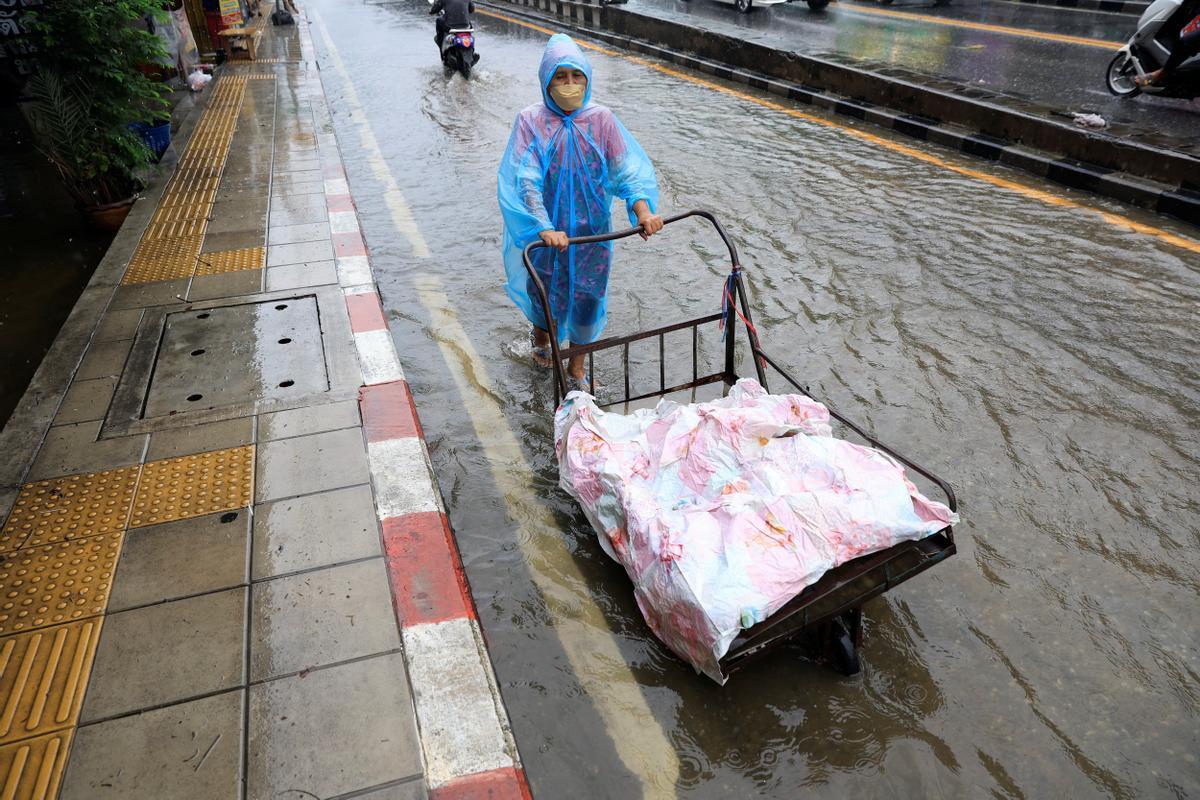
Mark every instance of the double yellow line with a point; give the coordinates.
(1117, 220)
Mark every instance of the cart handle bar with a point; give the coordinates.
(552, 328)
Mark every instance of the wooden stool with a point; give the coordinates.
(248, 36)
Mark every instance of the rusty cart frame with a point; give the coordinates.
(824, 620)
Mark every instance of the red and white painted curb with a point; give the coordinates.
(467, 745)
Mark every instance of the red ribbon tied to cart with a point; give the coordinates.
(727, 303)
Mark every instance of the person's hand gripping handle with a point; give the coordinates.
(649, 223)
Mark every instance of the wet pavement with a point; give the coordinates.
(1029, 346)
(1056, 78)
(195, 595)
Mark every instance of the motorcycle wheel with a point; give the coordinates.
(743, 5)
(465, 62)
(1119, 78)
(817, 5)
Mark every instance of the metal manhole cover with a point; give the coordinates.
(237, 354)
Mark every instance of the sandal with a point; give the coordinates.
(583, 384)
(541, 354)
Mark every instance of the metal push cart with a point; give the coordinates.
(824, 620)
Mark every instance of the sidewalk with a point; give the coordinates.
(227, 571)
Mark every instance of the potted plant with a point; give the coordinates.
(87, 90)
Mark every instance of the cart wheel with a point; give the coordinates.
(841, 643)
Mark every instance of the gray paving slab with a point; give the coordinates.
(409, 790)
(72, 449)
(104, 359)
(299, 187)
(182, 558)
(296, 149)
(316, 530)
(118, 325)
(188, 750)
(86, 400)
(332, 732)
(302, 207)
(306, 421)
(308, 464)
(167, 653)
(227, 284)
(233, 240)
(144, 295)
(256, 191)
(296, 164)
(8, 496)
(299, 253)
(305, 232)
(238, 215)
(322, 617)
(201, 438)
(298, 276)
(296, 175)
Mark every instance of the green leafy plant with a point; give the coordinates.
(88, 89)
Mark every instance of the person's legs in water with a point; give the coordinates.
(592, 264)
(540, 347)
(439, 28)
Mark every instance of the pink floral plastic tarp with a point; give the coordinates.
(722, 512)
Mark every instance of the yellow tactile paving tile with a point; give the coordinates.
(163, 260)
(188, 486)
(70, 508)
(220, 261)
(33, 769)
(43, 675)
(169, 247)
(174, 229)
(60, 582)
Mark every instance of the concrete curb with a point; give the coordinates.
(466, 739)
(1077, 173)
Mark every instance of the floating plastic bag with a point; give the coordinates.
(722, 512)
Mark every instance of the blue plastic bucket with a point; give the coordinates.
(157, 136)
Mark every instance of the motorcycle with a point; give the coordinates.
(1145, 52)
(458, 51)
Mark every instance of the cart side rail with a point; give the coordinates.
(559, 355)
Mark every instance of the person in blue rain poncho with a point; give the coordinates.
(566, 160)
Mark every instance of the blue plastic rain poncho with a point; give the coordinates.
(561, 172)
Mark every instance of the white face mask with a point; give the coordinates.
(568, 96)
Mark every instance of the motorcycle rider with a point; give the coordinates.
(453, 14)
(1184, 30)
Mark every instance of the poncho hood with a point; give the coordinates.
(561, 51)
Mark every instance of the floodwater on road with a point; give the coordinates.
(1040, 357)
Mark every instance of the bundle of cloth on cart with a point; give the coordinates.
(721, 512)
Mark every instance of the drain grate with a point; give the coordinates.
(228, 355)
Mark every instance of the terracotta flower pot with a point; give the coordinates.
(110, 216)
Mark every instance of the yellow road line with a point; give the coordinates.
(402, 215)
(1117, 220)
(579, 624)
(1026, 33)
